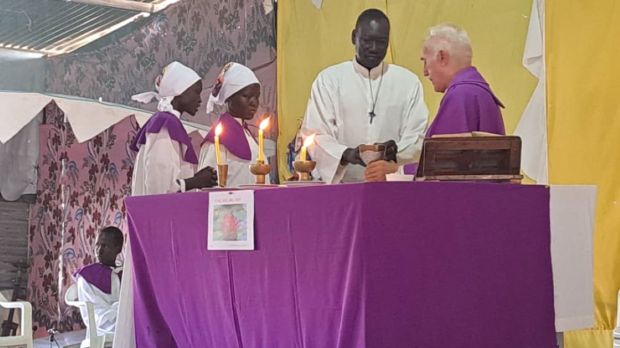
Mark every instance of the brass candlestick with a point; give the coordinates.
(303, 168)
(222, 174)
(260, 169)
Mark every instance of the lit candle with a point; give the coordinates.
(304, 149)
(261, 141)
(218, 154)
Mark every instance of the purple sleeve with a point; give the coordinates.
(490, 116)
(467, 108)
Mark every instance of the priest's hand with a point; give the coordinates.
(206, 177)
(377, 170)
(391, 149)
(352, 156)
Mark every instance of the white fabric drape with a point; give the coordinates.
(317, 3)
(532, 128)
(18, 162)
(572, 214)
(19, 133)
(87, 117)
(18, 110)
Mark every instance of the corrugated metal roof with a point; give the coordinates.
(56, 26)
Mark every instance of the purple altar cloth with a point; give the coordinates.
(361, 265)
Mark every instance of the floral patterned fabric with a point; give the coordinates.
(81, 187)
(202, 34)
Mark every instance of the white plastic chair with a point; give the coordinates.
(25, 326)
(92, 340)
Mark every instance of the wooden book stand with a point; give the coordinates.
(471, 157)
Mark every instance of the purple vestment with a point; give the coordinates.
(98, 275)
(233, 137)
(175, 129)
(469, 105)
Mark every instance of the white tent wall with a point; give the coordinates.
(18, 161)
(22, 71)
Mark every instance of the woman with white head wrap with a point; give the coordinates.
(166, 158)
(165, 163)
(238, 88)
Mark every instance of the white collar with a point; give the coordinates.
(118, 266)
(374, 73)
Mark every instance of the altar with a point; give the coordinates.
(352, 265)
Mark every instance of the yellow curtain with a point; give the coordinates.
(583, 82)
(310, 40)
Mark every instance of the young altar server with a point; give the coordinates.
(166, 159)
(100, 282)
(238, 88)
(164, 164)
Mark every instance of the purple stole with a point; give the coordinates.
(98, 275)
(175, 129)
(233, 136)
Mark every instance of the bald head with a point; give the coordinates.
(446, 51)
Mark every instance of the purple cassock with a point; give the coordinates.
(175, 129)
(233, 136)
(468, 105)
(98, 275)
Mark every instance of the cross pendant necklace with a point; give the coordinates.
(373, 97)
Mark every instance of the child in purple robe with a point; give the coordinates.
(165, 163)
(99, 283)
(166, 160)
(238, 88)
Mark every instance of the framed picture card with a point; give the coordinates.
(231, 220)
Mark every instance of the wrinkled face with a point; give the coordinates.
(435, 63)
(436, 68)
(189, 101)
(371, 39)
(107, 248)
(244, 103)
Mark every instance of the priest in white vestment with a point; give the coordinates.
(165, 164)
(364, 101)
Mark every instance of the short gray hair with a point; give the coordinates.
(451, 38)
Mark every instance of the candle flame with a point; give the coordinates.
(309, 140)
(264, 123)
(218, 129)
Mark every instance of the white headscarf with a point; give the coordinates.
(233, 78)
(175, 79)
